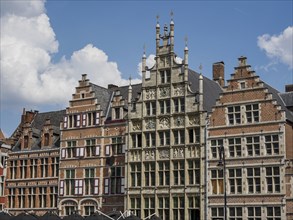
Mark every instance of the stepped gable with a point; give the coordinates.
(211, 89)
(284, 103)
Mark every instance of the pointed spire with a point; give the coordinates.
(157, 18)
(200, 89)
(186, 41)
(171, 15)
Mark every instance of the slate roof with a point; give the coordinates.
(287, 98)
(103, 96)
(37, 124)
(278, 97)
(55, 118)
(211, 89)
(136, 89)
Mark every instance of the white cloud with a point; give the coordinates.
(278, 47)
(27, 73)
(150, 62)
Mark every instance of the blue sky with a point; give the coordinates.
(46, 46)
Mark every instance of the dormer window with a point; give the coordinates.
(117, 113)
(25, 141)
(46, 139)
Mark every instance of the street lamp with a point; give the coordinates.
(222, 165)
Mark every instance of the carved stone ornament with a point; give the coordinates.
(136, 125)
(179, 121)
(178, 90)
(193, 120)
(164, 154)
(164, 92)
(149, 155)
(150, 124)
(178, 153)
(164, 122)
(150, 94)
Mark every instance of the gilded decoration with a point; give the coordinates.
(164, 92)
(149, 155)
(164, 122)
(179, 90)
(150, 124)
(179, 121)
(163, 154)
(150, 94)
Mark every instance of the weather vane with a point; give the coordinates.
(144, 47)
(186, 39)
(158, 16)
(200, 67)
(171, 14)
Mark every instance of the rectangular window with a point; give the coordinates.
(89, 210)
(150, 139)
(164, 138)
(179, 105)
(136, 140)
(253, 146)
(46, 139)
(69, 182)
(151, 108)
(107, 150)
(89, 181)
(149, 174)
(135, 173)
(61, 188)
(253, 180)
(149, 206)
(117, 113)
(164, 207)
(65, 122)
(106, 186)
(164, 173)
(90, 147)
(234, 147)
(178, 208)
(272, 144)
(116, 180)
(193, 172)
(165, 76)
(273, 179)
(164, 106)
(252, 113)
(254, 213)
(118, 146)
(235, 213)
(273, 213)
(178, 172)
(234, 116)
(235, 181)
(217, 213)
(215, 147)
(217, 181)
(179, 136)
(78, 187)
(194, 135)
(135, 206)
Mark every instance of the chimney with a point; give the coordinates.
(289, 88)
(219, 73)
